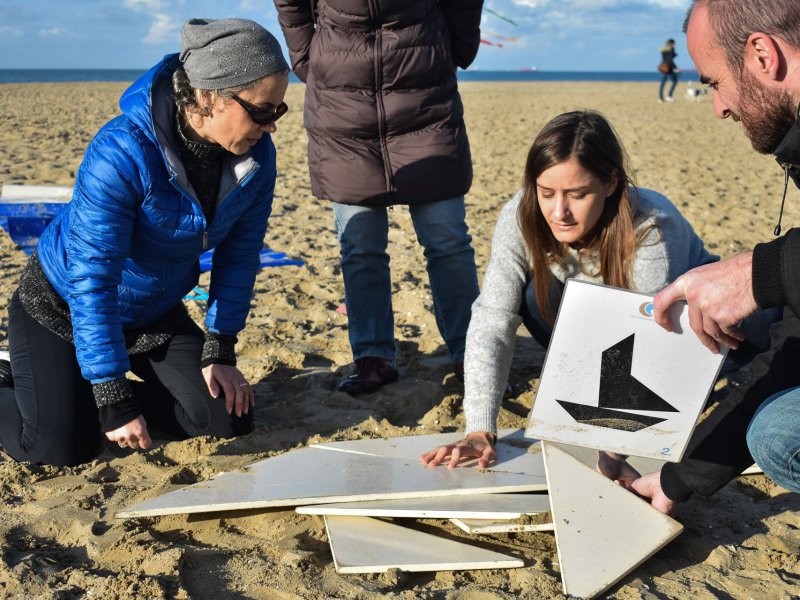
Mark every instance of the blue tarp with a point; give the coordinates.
(25, 222)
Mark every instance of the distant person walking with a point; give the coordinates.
(668, 70)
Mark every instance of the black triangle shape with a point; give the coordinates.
(603, 417)
(621, 390)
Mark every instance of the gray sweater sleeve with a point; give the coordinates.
(669, 248)
(491, 336)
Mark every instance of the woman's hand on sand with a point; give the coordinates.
(616, 467)
(131, 435)
(239, 394)
(479, 444)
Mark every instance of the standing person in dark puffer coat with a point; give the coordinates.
(385, 127)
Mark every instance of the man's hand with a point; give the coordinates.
(719, 295)
(649, 488)
(616, 467)
(478, 444)
(133, 434)
(239, 394)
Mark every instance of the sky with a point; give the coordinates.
(551, 35)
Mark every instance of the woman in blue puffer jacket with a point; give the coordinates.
(185, 168)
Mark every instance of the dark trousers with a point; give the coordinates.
(532, 317)
(49, 415)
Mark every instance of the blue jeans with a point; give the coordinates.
(363, 237)
(774, 438)
(674, 77)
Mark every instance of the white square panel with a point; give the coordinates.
(613, 379)
(318, 475)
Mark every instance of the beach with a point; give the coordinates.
(59, 535)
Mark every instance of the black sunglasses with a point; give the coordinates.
(262, 115)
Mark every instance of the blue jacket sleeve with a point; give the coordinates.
(236, 259)
(102, 215)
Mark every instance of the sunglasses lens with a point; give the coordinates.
(270, 115)
(262, 116)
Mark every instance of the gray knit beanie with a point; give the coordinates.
(223, 53)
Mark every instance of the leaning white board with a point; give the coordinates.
(366, 545)
(494, 507)
(614, 379)
(22, 194)
(483, 526)
(603, 531)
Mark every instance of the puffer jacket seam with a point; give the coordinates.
(378, 70)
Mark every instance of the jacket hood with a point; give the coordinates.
(137, 101)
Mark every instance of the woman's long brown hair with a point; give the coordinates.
(590, 139)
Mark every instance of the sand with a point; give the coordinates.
(58, 533)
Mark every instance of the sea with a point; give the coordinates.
(125, 75)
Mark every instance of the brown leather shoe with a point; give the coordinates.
(369, 374)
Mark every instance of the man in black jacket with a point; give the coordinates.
(748, 53)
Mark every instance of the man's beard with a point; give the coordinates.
(766, 115)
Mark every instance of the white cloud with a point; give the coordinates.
(597, 5)
(162, 29)
(593, 5)
(6, 30)
(143, 5)
(633, 52)
(532, 3)
(669, 3)
(51, 32)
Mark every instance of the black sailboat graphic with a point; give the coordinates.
(619, 390)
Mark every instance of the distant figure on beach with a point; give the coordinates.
(668, 70)
(578, 216)
(189, 165)
(385, 128)
(748, 53)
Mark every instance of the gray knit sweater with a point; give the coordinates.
(667, 251)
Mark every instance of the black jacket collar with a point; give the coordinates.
(788, 152)
(788, 156)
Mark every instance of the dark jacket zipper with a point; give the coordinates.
(374, 14)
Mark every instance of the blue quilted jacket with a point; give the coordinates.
(125, 249)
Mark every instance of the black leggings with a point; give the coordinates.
(532, 318)
(49, 416)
